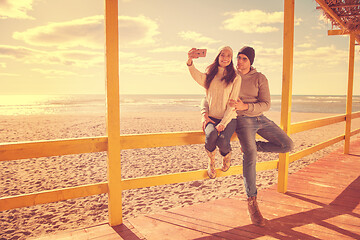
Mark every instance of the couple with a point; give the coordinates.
(235, 101)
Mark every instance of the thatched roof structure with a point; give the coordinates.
(343, 14)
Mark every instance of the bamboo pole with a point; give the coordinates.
(349, 93)
(113, 112)
(288, 52)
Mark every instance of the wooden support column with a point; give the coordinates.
(288, 53)
(349, 93)
(113, 112)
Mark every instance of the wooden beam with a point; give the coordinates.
(349, 93)
(113, 111)
(338, 32)
(317, 147)
(36, 149)
(311, 124)
(158, 180)
(287, 78)
(49, 196)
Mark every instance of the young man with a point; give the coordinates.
(254, 99)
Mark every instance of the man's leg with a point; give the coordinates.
(278, 140)
(246, 132)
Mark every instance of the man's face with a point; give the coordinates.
(243, 63)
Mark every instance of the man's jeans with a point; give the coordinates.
(222, 140)
(277, 141)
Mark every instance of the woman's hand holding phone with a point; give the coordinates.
(195, 53)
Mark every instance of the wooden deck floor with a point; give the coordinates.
(322, 202)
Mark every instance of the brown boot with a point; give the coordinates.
(211, 165)
(254, 212)
(226, 162)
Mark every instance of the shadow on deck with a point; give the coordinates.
(322, 202)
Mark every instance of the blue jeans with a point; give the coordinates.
(222, 140)
(277, 141)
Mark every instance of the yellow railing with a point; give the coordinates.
(25, 150)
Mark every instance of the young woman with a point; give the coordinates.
(221, 84)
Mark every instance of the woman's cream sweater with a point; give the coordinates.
(219, 94)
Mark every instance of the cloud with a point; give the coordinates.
(328, 56)
(137, 31)
(79, 58)
(305, 56)
(9, 74)
(85, 32)
(15, 9)
(253, 21)
(16, 52)
(183, 49)
(304, 45)
(133, 63)
(197, 37)
(322, 23)
(51, 73)
(89, 32)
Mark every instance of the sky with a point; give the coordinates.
(57, 47)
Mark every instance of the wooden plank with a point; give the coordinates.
(156, 180)
(316, 123)
(349, 95)
(32, 199)
(288, 58)
(315, 148)
(35, 149)
(113, 112)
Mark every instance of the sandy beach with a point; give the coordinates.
(34, 175)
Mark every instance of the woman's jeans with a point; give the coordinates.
(222, 140)
(277, 141)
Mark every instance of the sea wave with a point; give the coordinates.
(96, 103)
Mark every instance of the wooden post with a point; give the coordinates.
(288, 52)
(349, 93)
(113, 112)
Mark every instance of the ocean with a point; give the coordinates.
(96, 103)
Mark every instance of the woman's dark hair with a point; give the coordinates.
(212, 70)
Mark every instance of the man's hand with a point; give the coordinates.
(205, 120)
(238, 104)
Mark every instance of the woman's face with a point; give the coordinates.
(225, 58)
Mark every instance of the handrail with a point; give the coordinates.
(49, 196)
(36, 149)
(311, 124)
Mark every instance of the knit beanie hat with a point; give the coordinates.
(223, 48)
(249, 52)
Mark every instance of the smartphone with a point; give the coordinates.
(199, 53)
